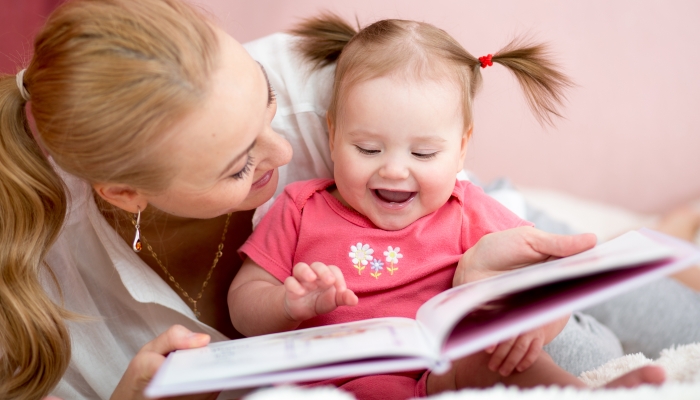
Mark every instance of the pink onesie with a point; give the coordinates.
(392, 272)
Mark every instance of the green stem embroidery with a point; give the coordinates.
(359, 268)
(391, 268)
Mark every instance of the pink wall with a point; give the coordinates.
(630, 137)
(20, 20)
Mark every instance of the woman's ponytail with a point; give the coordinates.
(323, 38)
(539, 77)
(34, 341)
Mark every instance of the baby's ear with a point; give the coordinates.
(466, 135)
(331, 133)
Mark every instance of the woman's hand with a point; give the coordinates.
(514, 248)
(314, 290)
(147, 361)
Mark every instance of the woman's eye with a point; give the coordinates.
(425, 156)
(271, 96)
(366, 151)
(245, 170)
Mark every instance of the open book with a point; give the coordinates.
(453, 324)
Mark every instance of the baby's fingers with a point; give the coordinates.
(500, 354)
(516, 354)
(292, 286)
(302, 272)
(347, 298)
(344, 296)
(531, 356)
(324, 273)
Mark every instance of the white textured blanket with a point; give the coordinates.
(682, 365)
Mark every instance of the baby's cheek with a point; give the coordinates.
(436, 193)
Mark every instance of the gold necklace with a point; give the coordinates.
(219, 253)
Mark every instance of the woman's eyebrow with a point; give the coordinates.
(270, 98)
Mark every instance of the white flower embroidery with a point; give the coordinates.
(361, 254)
(393, 255)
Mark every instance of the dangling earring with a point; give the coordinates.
(136, 246)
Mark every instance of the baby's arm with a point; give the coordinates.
(259, 303)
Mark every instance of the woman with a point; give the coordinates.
(145, 109)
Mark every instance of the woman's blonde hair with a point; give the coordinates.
(107, 79)
(393, 46)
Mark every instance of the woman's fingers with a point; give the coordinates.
(514, 248)
(560, 245)
(147, 361)
(144, 367)
(177, 337)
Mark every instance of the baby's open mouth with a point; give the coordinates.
(393, 196)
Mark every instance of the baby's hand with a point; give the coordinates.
(518, 353)
(315, 289)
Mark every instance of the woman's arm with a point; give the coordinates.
(506, 250)
(503, 251)
(259, 303)
(144, 365)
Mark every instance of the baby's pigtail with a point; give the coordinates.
(540, 78)
(323, 38)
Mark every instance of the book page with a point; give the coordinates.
(377, 338)
(440, 314)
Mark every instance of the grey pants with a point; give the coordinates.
(647, 320)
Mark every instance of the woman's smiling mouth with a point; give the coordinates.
(263, 180)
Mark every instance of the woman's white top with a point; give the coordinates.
(101, 277)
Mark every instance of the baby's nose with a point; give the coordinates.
(394, 170)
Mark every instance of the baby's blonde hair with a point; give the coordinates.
(393, 46)
(107, 80)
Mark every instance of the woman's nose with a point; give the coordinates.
(275, 150)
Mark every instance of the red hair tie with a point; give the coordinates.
(486, 61)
